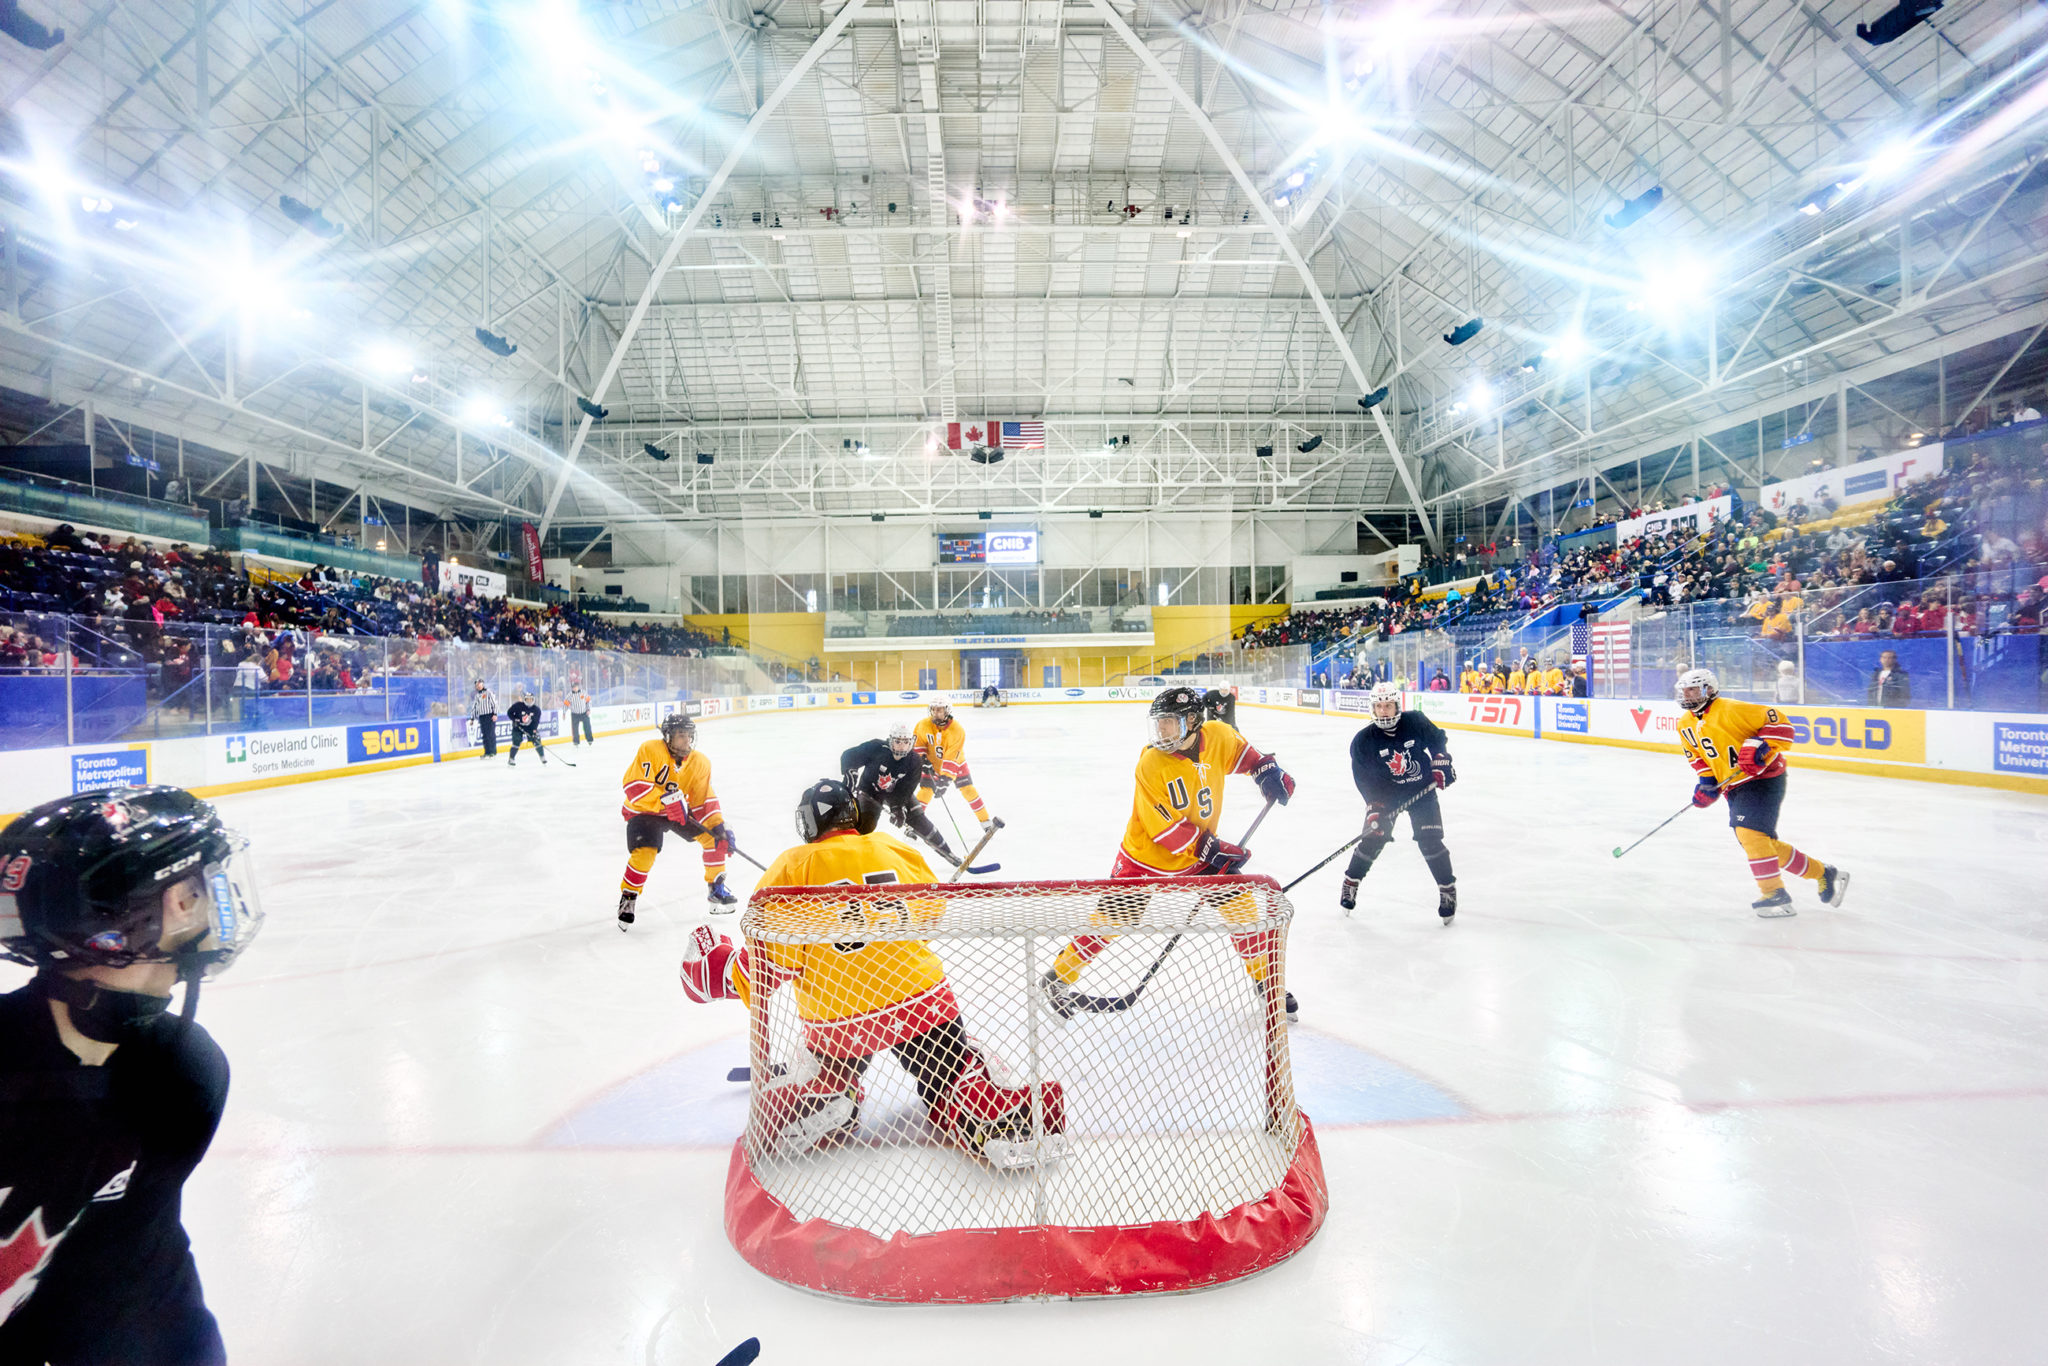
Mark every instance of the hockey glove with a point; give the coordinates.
(1441, 770)
(707, 967)
(940, 782)
(1274, 784)
(1378, 824)
(723, 839)
(1219, 856)
(1753, 756)
(1706, 793)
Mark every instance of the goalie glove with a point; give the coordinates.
(1706, 792)
(1274, 783)
(707, 967)
(1753, 756)
(1219, 856)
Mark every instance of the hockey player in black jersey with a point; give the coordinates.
(887, 773)
(114, 897)
(1218, 705)
(1401, 755)
(525, 719)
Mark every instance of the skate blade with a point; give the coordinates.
(1841, 889)
(1017, 1154)
(1776, 912)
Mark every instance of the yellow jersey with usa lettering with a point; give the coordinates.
(1179, 798)
(1711, 739)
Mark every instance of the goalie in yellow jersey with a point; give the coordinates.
(1172, 833)
(857, 995)
(1738, 750)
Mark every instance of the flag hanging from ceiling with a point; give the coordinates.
(962, 436)
(1023, 435)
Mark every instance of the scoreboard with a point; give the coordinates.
(988, 547)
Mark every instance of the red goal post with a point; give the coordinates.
(976, 1145)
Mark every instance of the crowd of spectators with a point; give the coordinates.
(136, 603)
(1019, 621)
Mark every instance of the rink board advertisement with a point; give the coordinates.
(1981, 748)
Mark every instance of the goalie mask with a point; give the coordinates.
(119, 877)
(1386, 705)
(1174, 719)
(1696, 688)
(829, 805)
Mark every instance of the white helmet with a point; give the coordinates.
(1701, 682)
(1390, 693)
(901, 732)
(942, 714)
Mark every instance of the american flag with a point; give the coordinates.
(1607, 656)
(1023, 435)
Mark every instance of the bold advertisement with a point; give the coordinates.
(109, 768)
(394, 740)
(2019, 748)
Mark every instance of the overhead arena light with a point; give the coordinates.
(495, 344)
(1263, 452)
(1374, 399)
(1464, 332)
(484, 412)
(308, 217)
(1632, 210)
(654, 452)
(703, 457)
(26, 31)
(1897, 21)
(1310, 444)
(592, 410)
(1568, 350)
(388, 359)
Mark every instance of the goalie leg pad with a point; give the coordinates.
(982, 1105)
(818, 1111)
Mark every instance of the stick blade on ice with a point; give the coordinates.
(742, 1354)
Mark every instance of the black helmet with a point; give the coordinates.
(82, 880)
(1183, 703)
(674, 724)
(828, 805)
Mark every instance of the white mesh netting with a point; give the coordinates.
(911, 1073)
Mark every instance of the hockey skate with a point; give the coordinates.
(720, 896)
(1776, 906)
(627, 901)
(1347, 897)
(1009, 1146)
(1447, 901)
(1059, 997)
(1834, 885)
(815, 1125)
(1291, 1008)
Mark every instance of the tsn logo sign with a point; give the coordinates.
(1482, 709)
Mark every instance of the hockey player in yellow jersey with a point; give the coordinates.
(1175, 809)
(1471, 680)
(1553, 682)
(667, 786)
(1737, 749)
(857, 994)
(944, 745)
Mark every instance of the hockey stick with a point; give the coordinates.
(1109, 1005)
(741, 1355)
(995, 823)
(950, 816)
(1660, 825)
(1356, 838)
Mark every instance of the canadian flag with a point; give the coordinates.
(962, 435)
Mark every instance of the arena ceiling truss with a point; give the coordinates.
(802, 239)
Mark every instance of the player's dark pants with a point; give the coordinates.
(933, 1059)
(579, 728)
(488, 725)
(1426, 821)
(523, 735)
(906, 810)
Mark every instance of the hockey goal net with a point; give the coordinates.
(930, 1120)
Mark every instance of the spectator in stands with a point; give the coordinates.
(1788, 689)
(1889, 685)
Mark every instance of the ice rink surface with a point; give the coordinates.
(1609, 1116)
